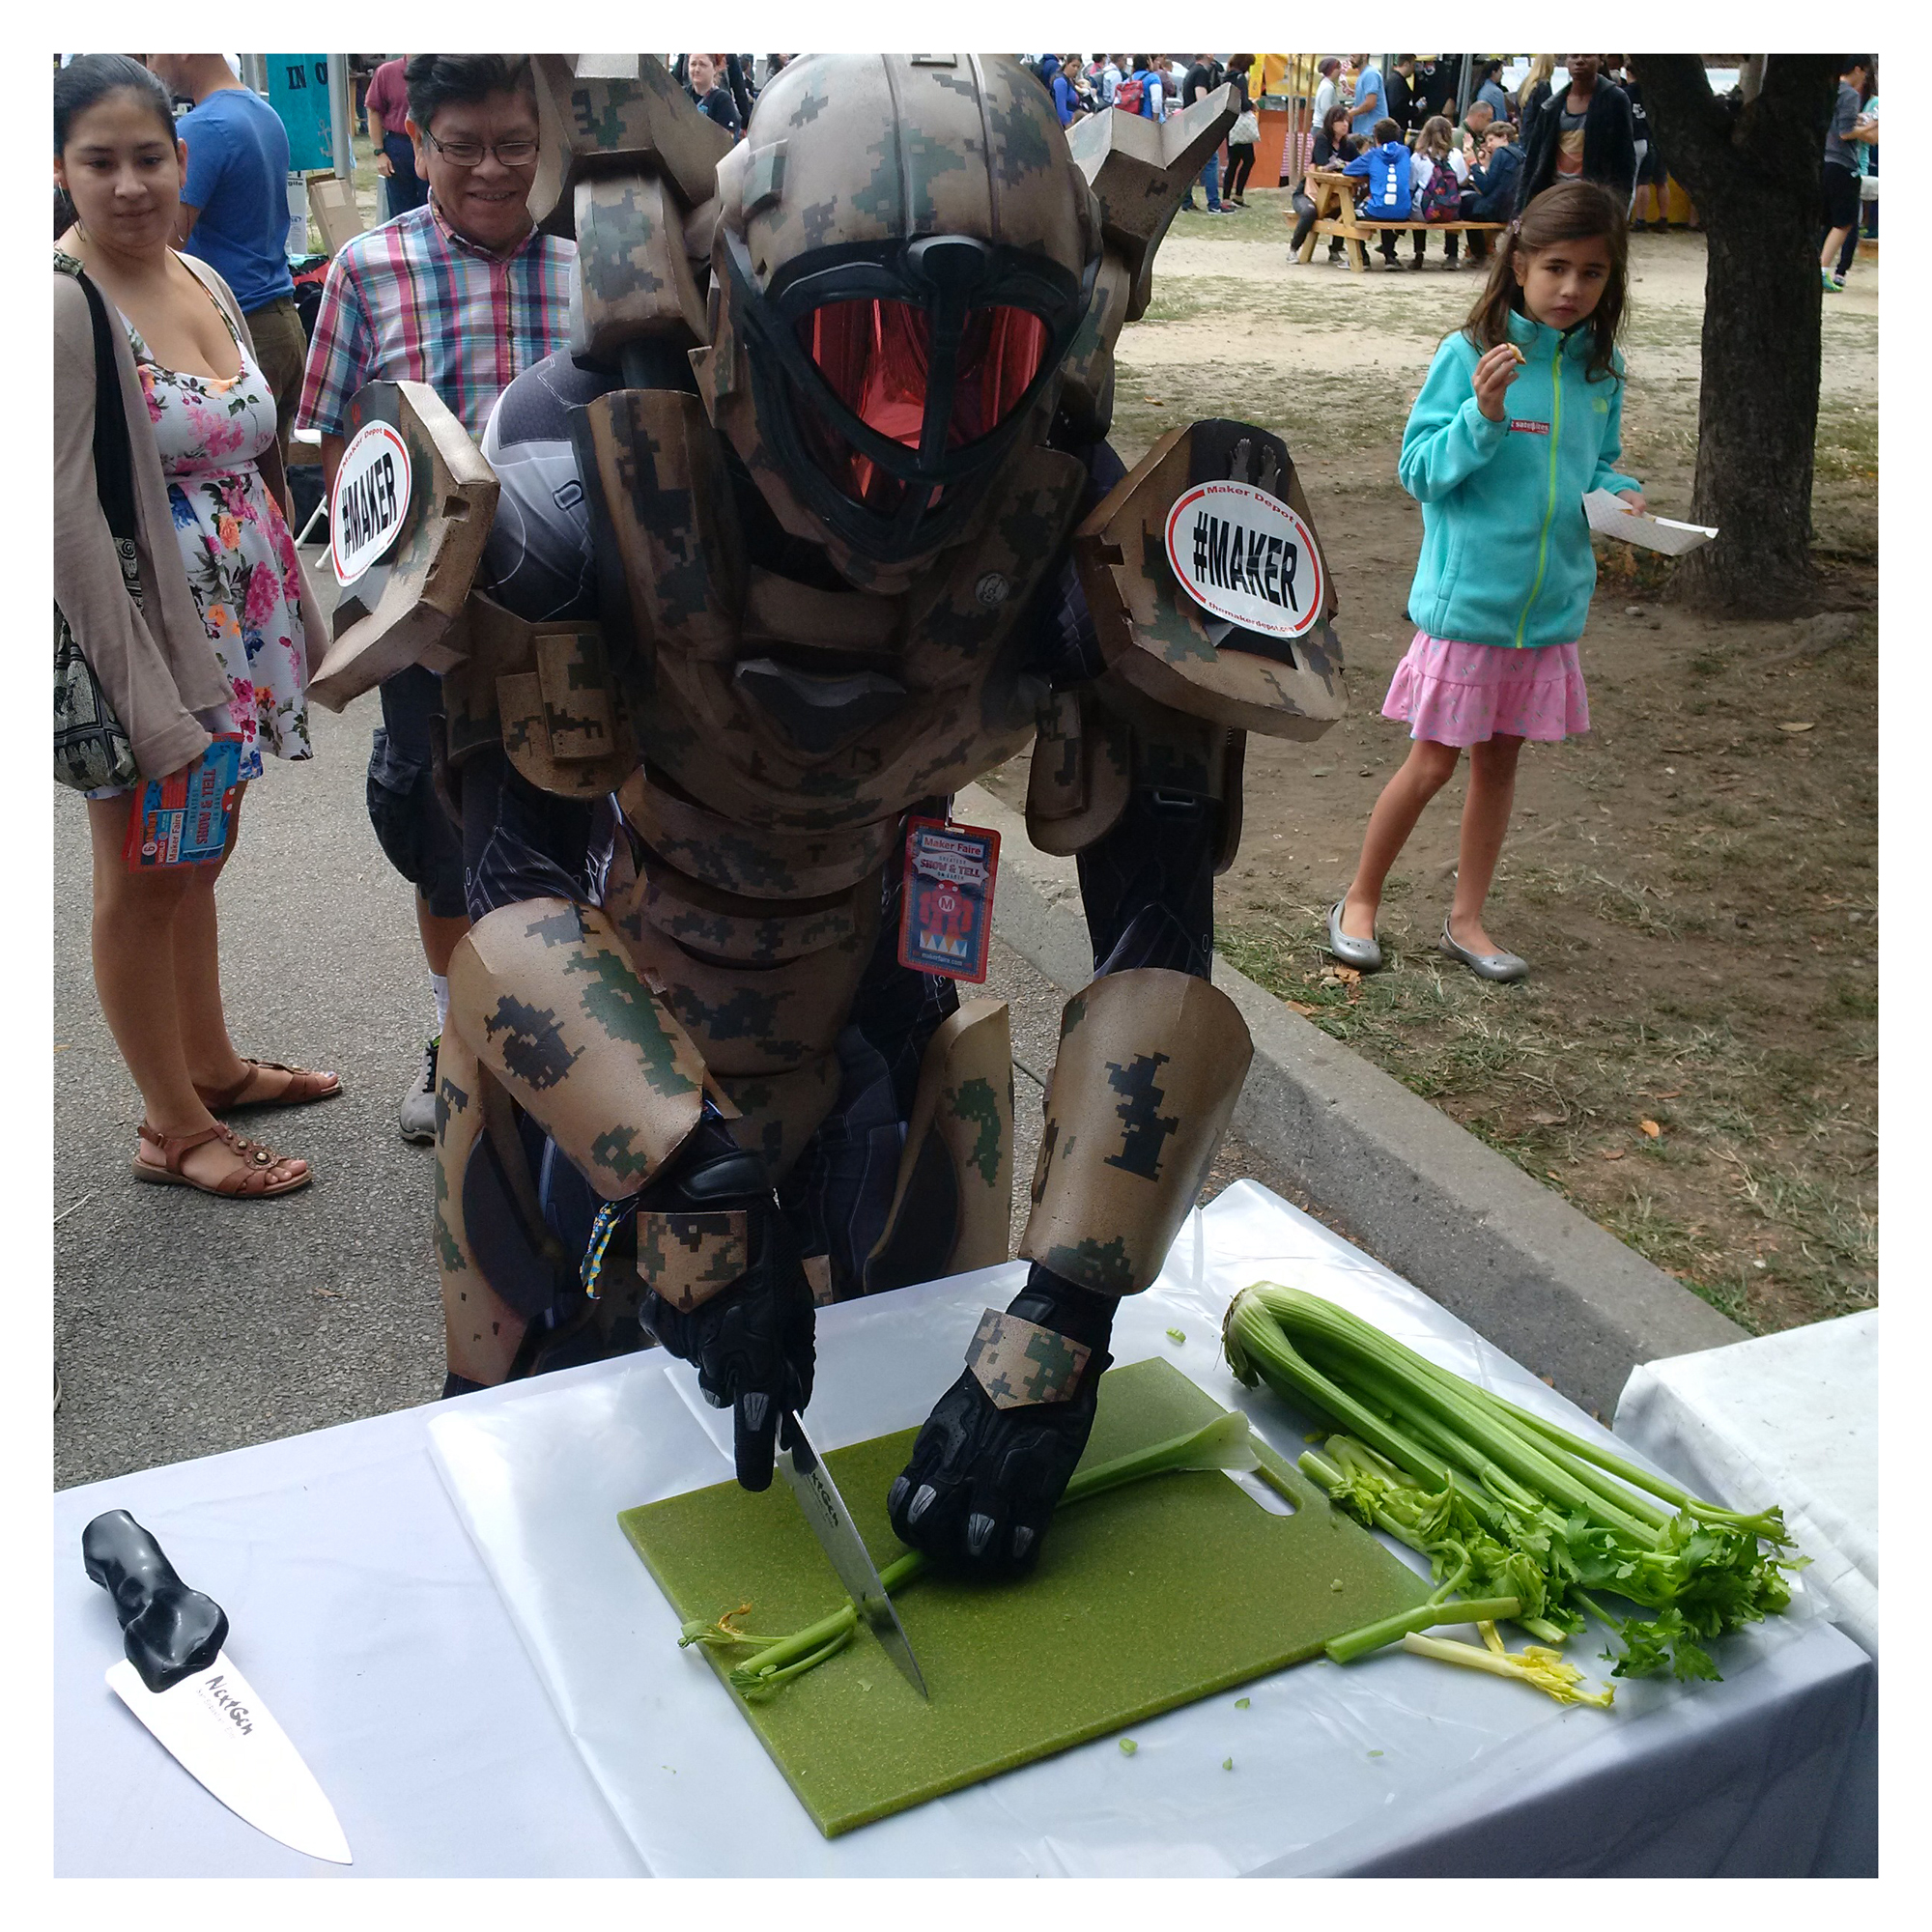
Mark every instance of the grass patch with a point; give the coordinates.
(1757, 1191)
(1151, 400)
(1175, 299)
(1847, 448)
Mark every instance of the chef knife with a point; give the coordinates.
(180, 1683)
(824, 1508)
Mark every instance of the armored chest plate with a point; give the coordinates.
(776, 704)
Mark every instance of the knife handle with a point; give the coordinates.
(168, 1630)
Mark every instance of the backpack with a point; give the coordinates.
(1442, 199)
(1127, 97)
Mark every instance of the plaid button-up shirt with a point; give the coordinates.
(414, 301)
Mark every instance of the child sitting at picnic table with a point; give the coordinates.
(1386, 166)
(1438, 173)
(1490, 194)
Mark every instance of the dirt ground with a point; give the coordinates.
(1692, 1061)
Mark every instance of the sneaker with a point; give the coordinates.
(1830, 283)
(417, 1119)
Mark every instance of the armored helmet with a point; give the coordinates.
(904, 251)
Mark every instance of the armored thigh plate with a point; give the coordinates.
(1150, 1067)
(952, 1204)
(495, 1275)
(554, 1010)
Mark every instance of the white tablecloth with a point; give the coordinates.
(367, 1622)
(1789, 1419)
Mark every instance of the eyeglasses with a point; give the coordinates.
(470, 154)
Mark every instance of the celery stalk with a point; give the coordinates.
(1224, 1444)
(1542, 1669)
(1504, 1503)
(1430, 1616)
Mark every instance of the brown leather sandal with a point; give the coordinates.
(250, 1182)
(303, 1086)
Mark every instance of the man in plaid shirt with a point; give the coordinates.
(461, 293)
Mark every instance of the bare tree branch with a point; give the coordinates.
(1694, 127)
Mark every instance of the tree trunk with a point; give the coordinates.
(1753, 169)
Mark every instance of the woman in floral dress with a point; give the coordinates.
(210, 423)
(242, 567)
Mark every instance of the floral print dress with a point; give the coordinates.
(242, 565)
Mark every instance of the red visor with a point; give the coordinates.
(874, 356)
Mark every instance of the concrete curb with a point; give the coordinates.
(1424, 1196)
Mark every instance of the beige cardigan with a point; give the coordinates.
(156, 664)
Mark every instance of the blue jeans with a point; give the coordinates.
(405, 188)
(1211, 179)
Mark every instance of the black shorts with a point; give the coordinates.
(415, 833)
(1841, 196)
(521, 843)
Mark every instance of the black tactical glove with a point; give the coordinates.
(982, 1482)
(751, 1342)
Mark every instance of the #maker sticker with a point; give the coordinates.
(371, 500)
(1246, 557)
(946, 927)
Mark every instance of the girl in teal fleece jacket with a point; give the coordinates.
(1518, 420)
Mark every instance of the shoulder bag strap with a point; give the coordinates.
(113, 454)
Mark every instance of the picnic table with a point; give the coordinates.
(1333, 195)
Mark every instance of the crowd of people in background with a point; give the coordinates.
(183, 224)
(1396, 133)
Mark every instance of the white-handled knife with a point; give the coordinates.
(182, 1683)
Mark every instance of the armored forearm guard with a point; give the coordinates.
(1150, 1065)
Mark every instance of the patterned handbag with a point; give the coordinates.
(90, 747)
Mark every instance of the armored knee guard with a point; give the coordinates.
(496, 1272)
(1151, 1064)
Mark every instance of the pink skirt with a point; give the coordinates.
(1454, 694)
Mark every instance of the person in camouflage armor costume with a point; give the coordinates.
(780, 554)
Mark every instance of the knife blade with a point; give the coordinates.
(831, 1522)
(179, 1680)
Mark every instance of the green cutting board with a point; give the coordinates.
(1145, 1598)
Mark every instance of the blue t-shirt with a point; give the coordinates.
(237, 171)
(1370, 102)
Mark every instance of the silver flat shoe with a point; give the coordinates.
(1363, 954)
(1497, 966)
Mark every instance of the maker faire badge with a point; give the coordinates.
(183, 819)
(945, 926)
